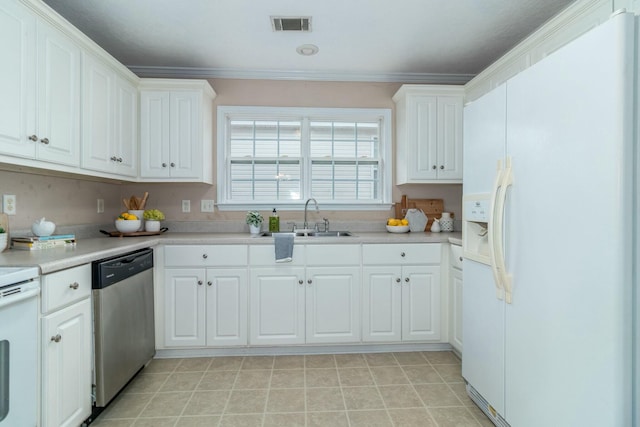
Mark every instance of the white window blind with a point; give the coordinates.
(279, 157)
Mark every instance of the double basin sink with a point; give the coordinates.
(311, 233)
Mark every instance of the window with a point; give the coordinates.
(279, 157)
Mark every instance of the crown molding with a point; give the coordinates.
(230, 73)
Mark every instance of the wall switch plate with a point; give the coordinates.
(9, 204)
(186, 206)
(100, 205)
(206, 205)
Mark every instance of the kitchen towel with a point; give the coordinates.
(283, 243)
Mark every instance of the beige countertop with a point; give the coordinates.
(88, 250)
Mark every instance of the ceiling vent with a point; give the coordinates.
(296, 23)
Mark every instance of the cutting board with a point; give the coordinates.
(432, 208)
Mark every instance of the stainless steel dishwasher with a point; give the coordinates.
(123, 320)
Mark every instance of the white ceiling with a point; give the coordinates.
(431, 41)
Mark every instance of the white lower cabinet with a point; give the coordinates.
(401, 302)
(455, 285)
(66, 347)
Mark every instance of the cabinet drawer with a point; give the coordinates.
(205, 255)
(456, 257)
(266, 255)
(333, 254)
(401, 253)
(64, 287)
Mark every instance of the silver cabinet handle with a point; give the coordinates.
(119, 159)
(113, 158)
(56, 338)
(33, 138)
(199, 282)
(74, 285)
(209, 283)
(441, 167)
(173, 165)
(406, 279)
(164, 165)
(205, 256)
(309, 281)
(434, 167)
(300, 282)
(45, 141)
(402, 254)
(460, 259)
(397, 280)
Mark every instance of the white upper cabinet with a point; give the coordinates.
(429, 134)
(176, 140)
(109, 119)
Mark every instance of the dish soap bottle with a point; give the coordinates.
(274, 222)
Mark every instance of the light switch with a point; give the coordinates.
(9, 204)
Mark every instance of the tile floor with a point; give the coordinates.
(378, 389)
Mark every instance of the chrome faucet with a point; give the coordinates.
(306, 205)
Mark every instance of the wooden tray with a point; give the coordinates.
(134, 234)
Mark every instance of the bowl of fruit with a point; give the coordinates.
(397, 225)
(127, 223)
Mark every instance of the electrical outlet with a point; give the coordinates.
(9, 204)
(100, 205)
(206, 205)
(186, 206)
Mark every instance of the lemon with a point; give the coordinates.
(404, 222)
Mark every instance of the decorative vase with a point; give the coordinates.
(254, 229)
(152, 225)
(446, 222)
(138, 213)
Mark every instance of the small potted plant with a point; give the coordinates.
(152, 218)
(3, 239)
(254, 219)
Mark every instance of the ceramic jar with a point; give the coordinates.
(446, 222)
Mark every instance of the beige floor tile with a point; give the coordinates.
(286, 400)
(258, 362)
(250, 420)
(376, 418)
(460, 391)
(389, 375)
(441, 357)
(480, 416)
(450, 373)
(289, 362)
(155, 422)
(199, 421)
(161, 365)
(321, 377)
(435, 395)
(362, 398)
(284, 420)
(320, 361)
(453, 417)
(324, 399)
(399, 396)
(246, 402)
(207, 402)
(182, 381)
(166, 404)
(380, 359)
(100, 422)
(127, 406)
(252, 379)
(147, 383)
(411, 417)
(422, 374)
(226, 363)
(410, 358)
(287, 378)
(327, 419)
(350, 377)
(194, 364)
(350, 361)
(217, 380)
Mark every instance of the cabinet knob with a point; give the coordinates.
(173, 165)
(460, 259)
(205, 256)
(119, 159)
(309, 281)
(406, 279)
(402, 254)
(397, 280)
(45, 141)
(441, 167)
(74, 285)
(209, 283)
(164, 165)
(113, 158)
(434, 167)
(199, 282)
(56, 338)
(33, 138)
(300, 282)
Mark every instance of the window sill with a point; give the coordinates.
(299, 206)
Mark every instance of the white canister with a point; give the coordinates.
(446, 222)
(139, 213)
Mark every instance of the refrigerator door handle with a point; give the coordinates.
(493, 232)
(505, 277)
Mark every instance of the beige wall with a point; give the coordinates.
(70, 201)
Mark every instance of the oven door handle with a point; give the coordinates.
(4, 302)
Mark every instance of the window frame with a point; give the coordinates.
(224, 113)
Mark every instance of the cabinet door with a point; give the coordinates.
(184, 307)
(333, 304)
(17, 80)
(226, 306)
(456, 309)
(126, 127)
(58, 97)
(277, 305)
(422, 137)
(381, 304)
(449, 137)
(154, 134)
(66, 366)
(186, 141)
(420, 303)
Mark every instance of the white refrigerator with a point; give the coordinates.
(550, 275)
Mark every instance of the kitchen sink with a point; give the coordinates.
(312, 233)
